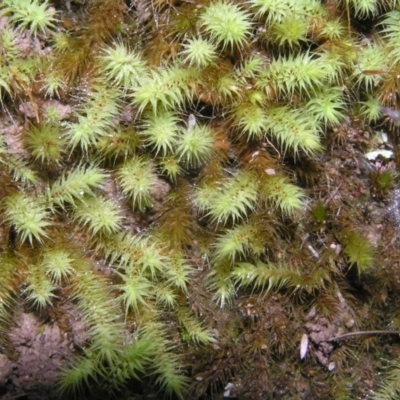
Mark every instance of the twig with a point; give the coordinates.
(360, 333)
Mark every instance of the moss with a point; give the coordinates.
(227, 107)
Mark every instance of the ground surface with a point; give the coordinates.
(267, 344)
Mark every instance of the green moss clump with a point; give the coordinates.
(195, 168)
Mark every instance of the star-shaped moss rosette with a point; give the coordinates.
(193, 169)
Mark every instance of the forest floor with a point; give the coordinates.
(342, 178)
(43, 344)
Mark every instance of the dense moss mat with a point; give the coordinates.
(212, 187)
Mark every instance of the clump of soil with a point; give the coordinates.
(41, 350)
